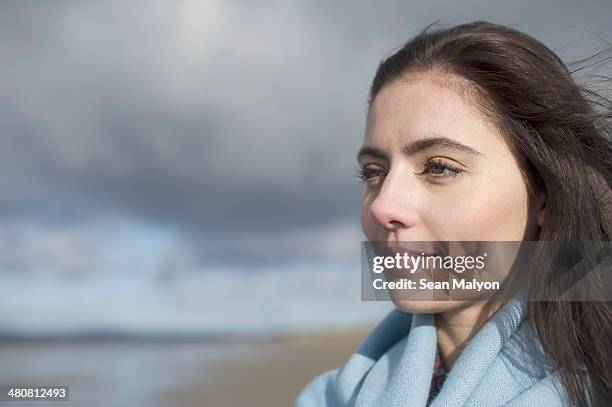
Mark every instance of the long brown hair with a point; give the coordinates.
(560, 132)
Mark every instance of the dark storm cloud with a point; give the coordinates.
(212, 115)
(176, 115)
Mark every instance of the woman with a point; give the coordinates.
(478, 132)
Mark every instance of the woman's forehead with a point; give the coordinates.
(406, 110)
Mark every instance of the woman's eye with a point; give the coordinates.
(438, 168)
(370, 175)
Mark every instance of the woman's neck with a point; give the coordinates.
(456, 327)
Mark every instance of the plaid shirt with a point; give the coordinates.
(437, 380)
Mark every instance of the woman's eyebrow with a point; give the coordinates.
(372, 152)
(418, 146)
(441, 142)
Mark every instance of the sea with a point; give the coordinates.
(128, 338)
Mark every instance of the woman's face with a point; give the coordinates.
(436, 170)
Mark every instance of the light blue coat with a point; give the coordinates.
(503, 364)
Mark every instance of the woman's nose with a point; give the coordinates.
(394, 206)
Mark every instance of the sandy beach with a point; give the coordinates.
(273, 375)
(235, 371)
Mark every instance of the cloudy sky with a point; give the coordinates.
(215, 129)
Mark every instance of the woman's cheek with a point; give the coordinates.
(367, 222)
(478, 209)
(490, 215)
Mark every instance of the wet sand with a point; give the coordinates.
(272, 375)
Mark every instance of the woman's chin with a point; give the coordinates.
(427, 307)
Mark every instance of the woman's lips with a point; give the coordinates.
(393, 250)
